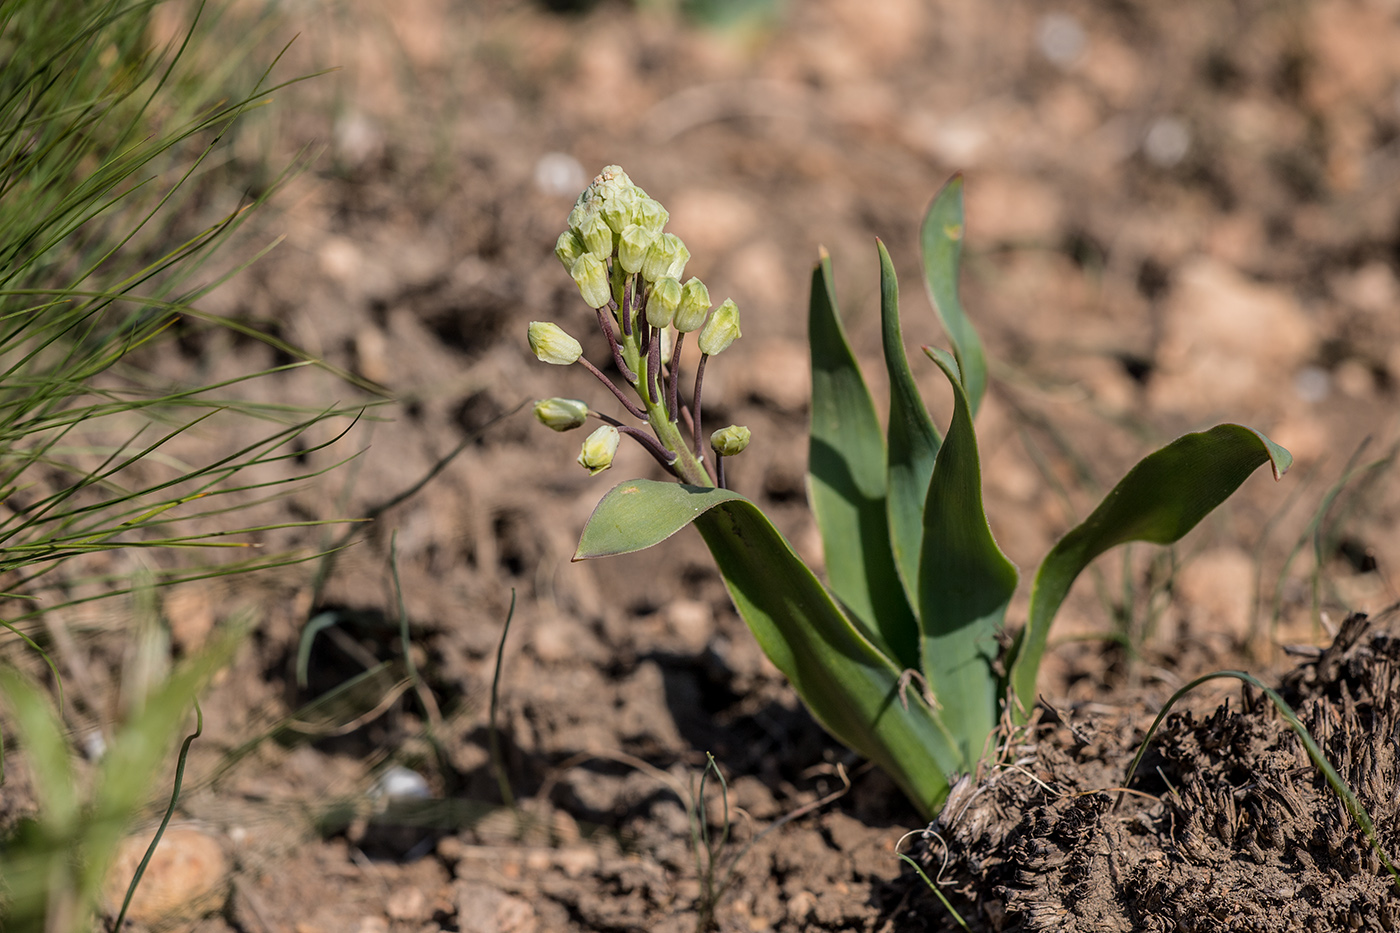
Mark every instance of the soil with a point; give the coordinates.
(1227, 824)
(1176, 215)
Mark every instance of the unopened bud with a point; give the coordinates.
(695, 304)
(665, 297)
(597, 236)
(722, 329)
(582, 210)
(613, 174)
(552, 345)
(599, 448)
(620, 209)
(652, 215)
(591, 277)
(667, 255)
(561, 414)
(632, 246)
(730, 441)
(569, 248)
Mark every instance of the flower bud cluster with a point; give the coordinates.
(632, 272)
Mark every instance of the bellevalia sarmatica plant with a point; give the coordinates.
(898, 655)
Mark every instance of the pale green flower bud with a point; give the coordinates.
(597, 237)
(620, 210)
(632, 246)
(667, 255)
(599, 448)
(652, 215)
(569, 248)
(582, 210)
(695, 304)
(730, 441)
(592, 278)
(613, 174)
(561, 414)
(552, 345)
(721, 330)
(665, 297)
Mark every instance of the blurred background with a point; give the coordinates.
(1176, 215)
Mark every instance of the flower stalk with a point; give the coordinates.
(629, 270)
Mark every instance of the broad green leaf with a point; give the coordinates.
(941, 238)
(849, 685)
(913, 440)
(965, 583)
(1160, 499)
(640, 513)
(846, 483)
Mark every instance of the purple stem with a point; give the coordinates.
(650, 444)
(605, 322)
(676, 373)
(719, 470)
(653, 363)
(612, 386)
(695, 406)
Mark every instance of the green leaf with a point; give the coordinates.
(941, 237)
(639, 513)
(1160, 499)
(965, 583)
(913, 440)
(849, 685)
(43, 736)
(846, 481)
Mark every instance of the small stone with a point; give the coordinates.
(186, 877)
(408, 903)
(801, 904)
(189, 610)
(372, 355)
(1227, 342)
(692, 622)
(774, 371)
(484, 909)
(1012, 208)
(1218, 590)
(372, 924)
(577, 861)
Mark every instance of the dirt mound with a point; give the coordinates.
(1226, 826)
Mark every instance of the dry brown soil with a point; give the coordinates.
(1177, 214)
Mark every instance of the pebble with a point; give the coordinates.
(407, 903)
(1228, 342)
(186, 877)
(482, 908)
(560, 175)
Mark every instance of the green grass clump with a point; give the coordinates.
(112, 151)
